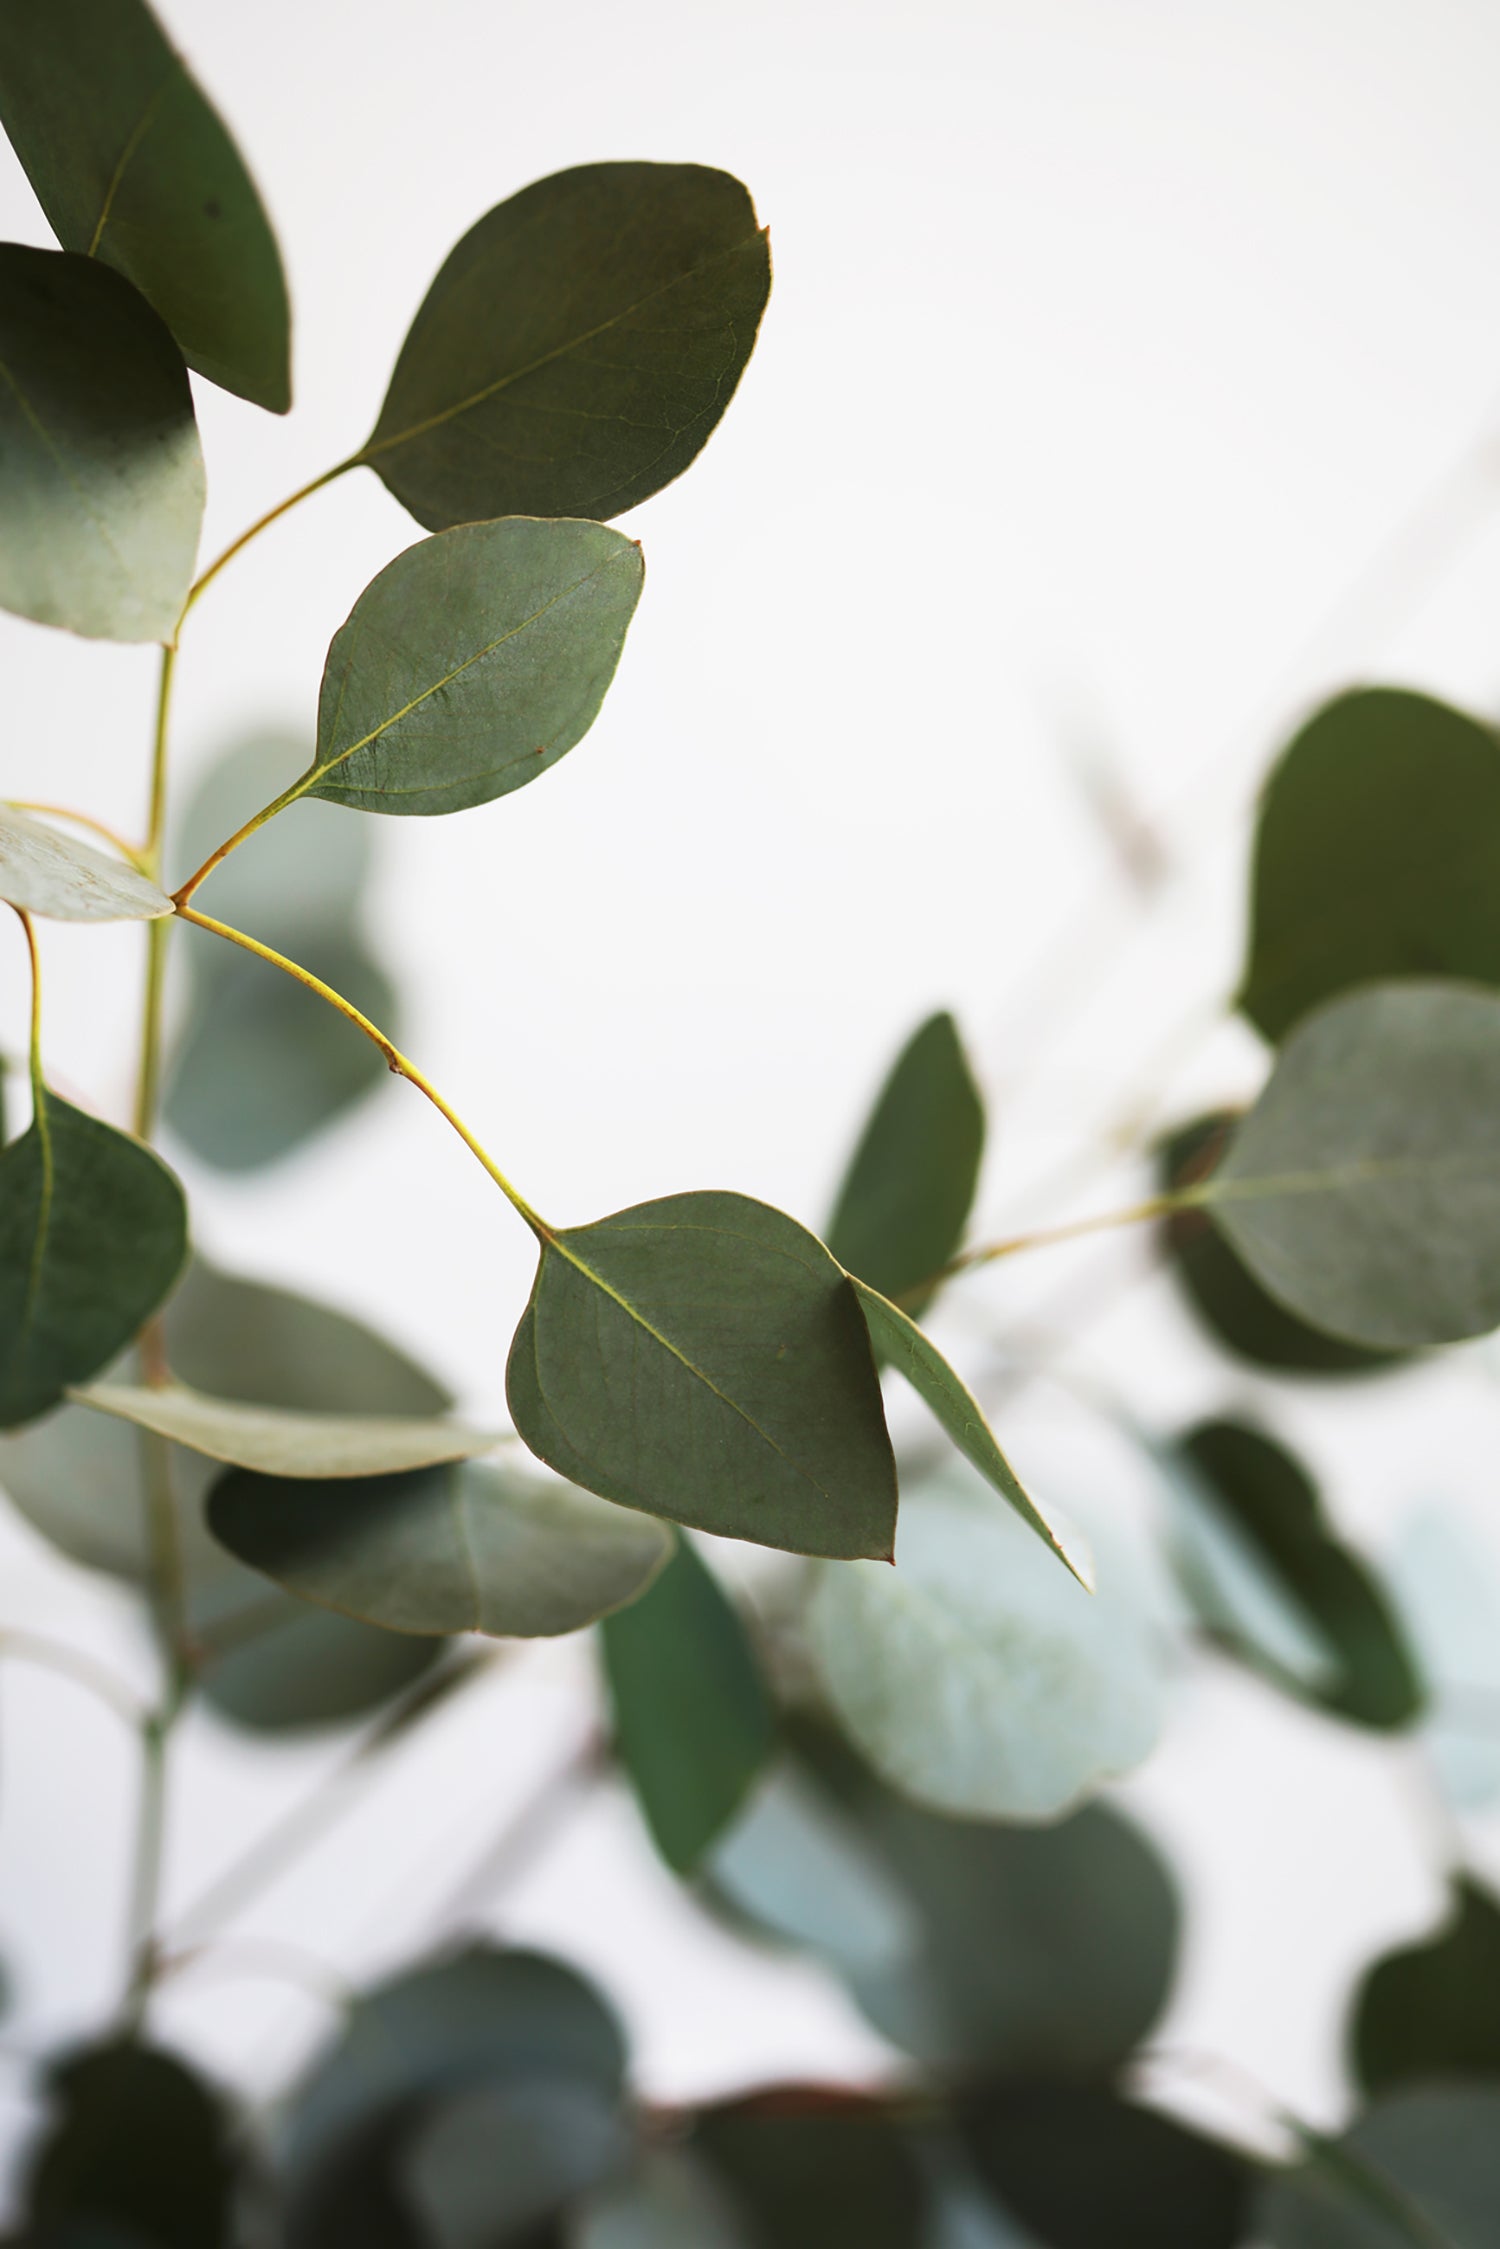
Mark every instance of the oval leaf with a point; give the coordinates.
(1419, 2170)
(703, 1357)
(1363, 1188)
(693, 1721)
(905, 1199)
(51, 874)
(977, 1677)
(1377, 854)
(133, 168)
(100, 2166)
(472, 664)
(472, 1549)
(498, 2160)
(101, 474)
(668, 2202)
(1429, 2011)
(276, 1442)
(577, 348)
(93, 1232)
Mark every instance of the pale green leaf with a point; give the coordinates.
(1418, 2170)
(669, 2201)
(55, 875)
(277, 1442)
(497, 2159)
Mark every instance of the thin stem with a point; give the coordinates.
(131, 851)
(37, 1087)
(241, 835)
(398, 1063)
(145, 1881)
(148, 1081)
(201, 584)
(72, 1663)
(1135, 1214)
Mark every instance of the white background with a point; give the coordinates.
(1110, 351)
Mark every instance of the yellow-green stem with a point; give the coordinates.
(201, 584)
(241, 835)
(1136, 1214)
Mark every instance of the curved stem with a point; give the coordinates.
(399, 1064)
(131, 851)
(1135, 1214)
(72, 1663)
(241, 835)
(202, 583)
(36, 1010)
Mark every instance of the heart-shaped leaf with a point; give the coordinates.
(1429, 2011)
(577, 348)
(101, 474)
(52, 874)
(472, 664)
(1363, 1189)
(704, 1358)
(133, 167)
(693, 1720)
(278, 1442)
(449, 1549)
(93, 1232)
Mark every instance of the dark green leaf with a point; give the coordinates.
(577, 348)
(905, 1199)
(1082, 2169)
(93, 1232)
(1430, 2010)
(101, 473)
(472, 1549)
(53, 874)
(1229, 1301)
(132, 167)
(1363, 1189)
(1274, 1503)
(704, 1358)
(281, 1441)
(1419, 2170)
(472, 664)
(1377, 855)
(808, 2168)
(499, 2159)
(104, 2162)
(693, 1721)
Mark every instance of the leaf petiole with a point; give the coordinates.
(237, 546)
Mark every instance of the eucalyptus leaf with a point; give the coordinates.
(276, 1441)
(115, 2111)
(295, 1668)
(101, 473)
(133, 167)
(905, 1199)
(1377, 855)
(471, 1548)
(703, 1357)
(1446, 1584)
(55, 875)
(93, 1232)
(472, 663)
(805, 2170)
(577, 348)
(498, 2159)
(900, 1341)
(1418, 2170)
(693, 1721)
(1363, 1189)
(1429, 2010)
(669, 2201)
(976, 1676)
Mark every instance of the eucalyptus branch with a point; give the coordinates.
(1048, 1237)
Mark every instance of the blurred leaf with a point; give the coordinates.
(1234, 1308)
(1377, 854)
(702, 1357)
(1363, 1189)
(116, 2112)
(498, 2159)
(494, 1549)
(1083, 2169)
(133, 167)
(1446, 1586)
(276, 1441)
(50, 873)
(670, 2201)
(905, 1199)
(807, 2169)
(577, 347)
(900, 1341)
(472, 663)
(693, 1721)
(101, 473)
(978, 1677)
(305, 1667)
(1271, 1500)
(1430, 2010)
(93, 1232)
(1418, 2170)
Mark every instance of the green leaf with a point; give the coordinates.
(978, 1677)
(693, 1721)
(1444, 1579)
(668, 2202)
(116, 2109)
(101, 473)
(1272, 1501)
(577, 348)
(1363, 1189)
(900, 1341)
(1377, 855)
(497, 2160)
(55, 875)
(300, 1667)
(278, 1442)
(1230, 1303)
(1082, 2169)
(1429, 2010)
(472, 664)
(93, 1232)
(470, 1549)
(704, 1358)
(133, 167)
(905, 1199)
(806, 2170)
(1418, 2170)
